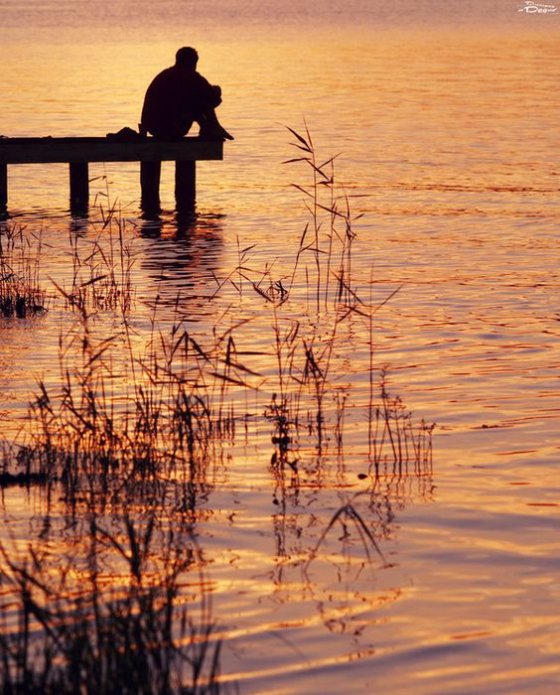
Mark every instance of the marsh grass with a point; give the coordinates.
(133, 421)
(100, 439)
(101, 277)
(396, 440)
(314, 392)
(21, 294)
(113, 616)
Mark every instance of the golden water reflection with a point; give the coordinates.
(447, 145)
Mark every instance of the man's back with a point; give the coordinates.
(173, 99)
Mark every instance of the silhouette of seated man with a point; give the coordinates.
(180, 96)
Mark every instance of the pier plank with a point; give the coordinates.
(51, 150)
(79, 152)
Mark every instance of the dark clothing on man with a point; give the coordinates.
(176, 98)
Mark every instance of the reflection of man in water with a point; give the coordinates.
(179, 96)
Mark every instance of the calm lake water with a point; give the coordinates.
(445, 116)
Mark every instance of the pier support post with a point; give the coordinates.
(79, 187)
(150, 174)
(3, 190)
(185, 186)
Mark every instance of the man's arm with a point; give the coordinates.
(208, 93)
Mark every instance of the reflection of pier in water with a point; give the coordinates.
(181, 258)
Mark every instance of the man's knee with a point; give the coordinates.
(216, 95)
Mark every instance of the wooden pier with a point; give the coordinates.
(79, 152)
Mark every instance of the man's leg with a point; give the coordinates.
(210, 126)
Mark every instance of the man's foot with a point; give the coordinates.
(216, 134)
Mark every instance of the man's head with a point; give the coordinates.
(186, 57)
